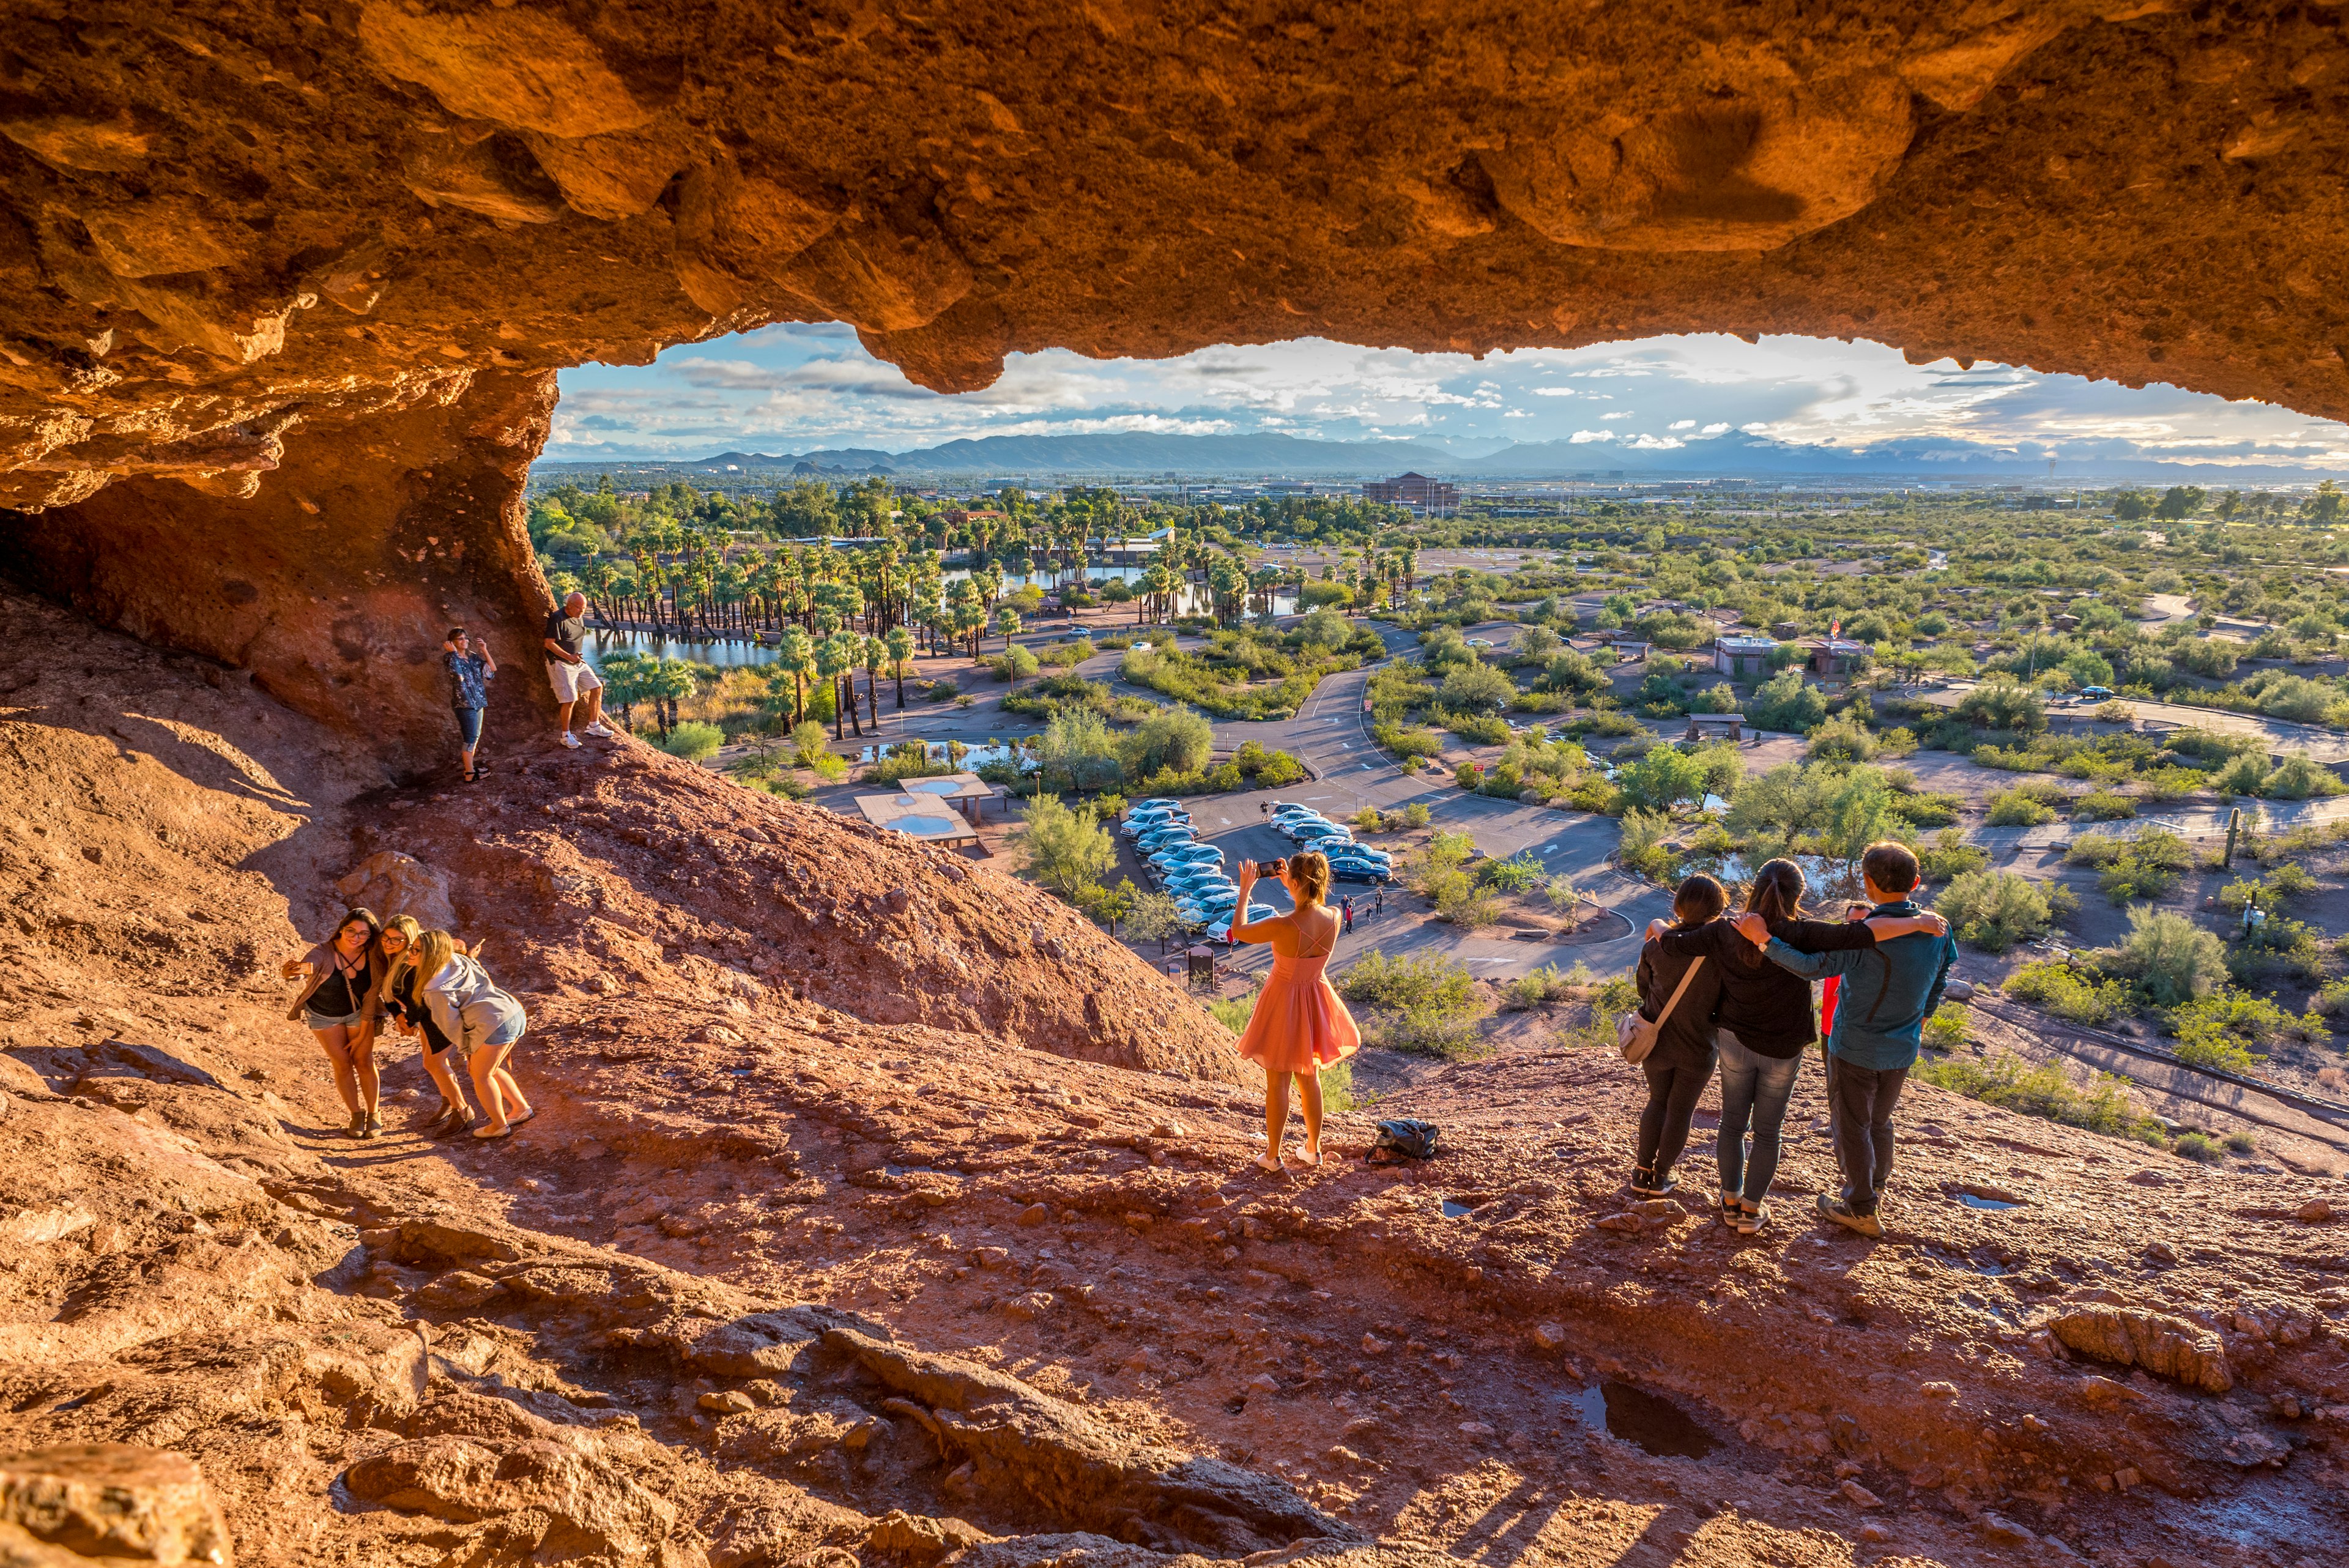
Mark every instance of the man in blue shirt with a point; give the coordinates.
(1888, 992)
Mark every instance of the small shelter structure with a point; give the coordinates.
(924, 816)
(1743, 657)
(1716, 727)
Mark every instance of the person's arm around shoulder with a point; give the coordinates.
(1691, 941)
(1812, 966)
(1924, 923)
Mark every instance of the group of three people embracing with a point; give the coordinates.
(1744, 1007)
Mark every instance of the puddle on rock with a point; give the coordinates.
(1453, 1210)
(1648, 1421)
(1972, 1201)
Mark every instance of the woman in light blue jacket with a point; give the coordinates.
(482, 1021)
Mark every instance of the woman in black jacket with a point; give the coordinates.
(1765, 1018)
(1681, 1062)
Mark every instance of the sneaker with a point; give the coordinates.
(1850, 1219)
(601, 730)
(1752, 1224)
(1647, 1186)
(570, 739)
(1729, 1208)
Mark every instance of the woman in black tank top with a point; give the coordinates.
(339, 1006)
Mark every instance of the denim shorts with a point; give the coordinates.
(348, 1021)
(469, 725)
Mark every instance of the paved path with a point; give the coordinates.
(1331, 735)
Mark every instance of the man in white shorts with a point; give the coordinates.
(574, 681)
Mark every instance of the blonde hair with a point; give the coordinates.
(406, 926)
(431, 954)
(1310, 873)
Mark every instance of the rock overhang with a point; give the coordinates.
(268, 226)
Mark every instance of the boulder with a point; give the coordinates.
(761, 1344)
(111, 1500)
(2164, 1345)
(390, 883)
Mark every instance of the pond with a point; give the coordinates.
(963, 756)
(1191, 600)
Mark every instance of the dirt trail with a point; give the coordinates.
(853, 1229)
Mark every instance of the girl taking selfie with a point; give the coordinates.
(1299, 1025)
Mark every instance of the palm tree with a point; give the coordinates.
(876, 653)
(1156, 583)
(834, 655)
(671, 680)
(901, 649)
(795, 655)
(1006, 623)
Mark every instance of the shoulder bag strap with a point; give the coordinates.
(1674, 1000)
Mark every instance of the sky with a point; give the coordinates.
(794, 388)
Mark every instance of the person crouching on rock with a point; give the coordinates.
(345, 973)
(1299, 1025)
(403, 999)
(484, 1023)
(471, 671)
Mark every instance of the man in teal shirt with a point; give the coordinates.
(1888, 992)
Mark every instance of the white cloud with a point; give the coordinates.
(794, 388)
(1654, 444)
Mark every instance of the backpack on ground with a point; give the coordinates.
(1406, 1138)
(1635, 1036)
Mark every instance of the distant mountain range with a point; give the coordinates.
(1142, 455)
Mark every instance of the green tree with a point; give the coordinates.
(1477, 685)
(1787, 704)
(901, 652)
(2180, 502)
(1077, 752)
(795, 656)
(835, 655)
(1065, 850)
(1175, 738)
(2323, 507)
(1660, 780)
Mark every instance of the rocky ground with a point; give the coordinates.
(878, 1211)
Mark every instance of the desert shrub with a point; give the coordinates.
(694, 741)
(2145, 866)
(1607, 1000)
(2244, 775)
(1641, 848)
(1562, 893)
(1065, 850)
(1475, 686)
(2242, 1143)
(911, 760)
(1994, 909)
(1234, 1012)
(1548, 983)
(2299, 777)
(2219, 1030)
(1951, 856)
(1422, 1003)
(1406, 742)
(1171, 739)
(2170, 958)
(2046, 1091)
(1269, 769)
(2278, 946)
(1014, 663)
(1785, 702)
(1663, 779)
(1415, 814)
(1920, 808)
(2004, 705)
(2172, 783)
(2103, 805)
(1946, 1030)
(2019, 808)
(1840, 740)
(2200, 1148)
(1520, 873)
(2067, 992)
(1484, 729)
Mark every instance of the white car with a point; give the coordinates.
(1221, 928)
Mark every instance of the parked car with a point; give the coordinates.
(1220, 930)
(1325, 842)
(1348, 869)
(1139, 823)
(1167, 800)
(1165, 839)
(1187, 854)
(1302, 829)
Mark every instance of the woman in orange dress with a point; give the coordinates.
(1299, 1025)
